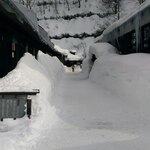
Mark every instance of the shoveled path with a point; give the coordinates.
(91, 118)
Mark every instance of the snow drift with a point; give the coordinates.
(101, 51)
(30, 74)
(127, 76)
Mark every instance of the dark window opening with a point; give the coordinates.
(127, 43)
(93, 58)
(146, 38)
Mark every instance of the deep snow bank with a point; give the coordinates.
(126, 76)
(98, 50)
(30, 74)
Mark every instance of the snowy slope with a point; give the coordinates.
(78, 25)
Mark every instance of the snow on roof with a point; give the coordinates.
(44, 36)
(67, 53)
(124, 19)
(61, 50)
(28, 14)
(100, 50)
(30, 17)
(73, 51)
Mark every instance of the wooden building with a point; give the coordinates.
(130, 34)
(20, 33)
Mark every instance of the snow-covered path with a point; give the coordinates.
(91, 118)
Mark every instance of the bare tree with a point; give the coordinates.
(141, 1)
(56, 8)
(79, 1)
(28, 3)
(66, 1)
(114, 5)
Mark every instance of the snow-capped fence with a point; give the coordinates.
(12, 104)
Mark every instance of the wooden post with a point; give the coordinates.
(13, 52)
(29, 103)
(27, 48)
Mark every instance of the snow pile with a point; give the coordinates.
(76, 26)
(75, 43)
(126, 76)
(98, 50)
(68, 55)
(30, 74)
(53, 67)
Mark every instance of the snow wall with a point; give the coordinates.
(99, 51)
(127, 76)
(31, 74)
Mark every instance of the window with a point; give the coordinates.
(127, 43)
(146, 37)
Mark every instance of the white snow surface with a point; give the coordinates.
(31, 18)
(28, 14)
(68, 55)
(121, 21)
(79, 25)
(107, 111)
(30, 74)
(100, 51)
(103, 114)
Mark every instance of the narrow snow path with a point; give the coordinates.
(90, 118)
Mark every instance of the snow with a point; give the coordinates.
(30, 74)
(109, 110)
(126, 76)
(44, 36)
(100, 51)
(76, 26)
(74, 43)
(68, 55)
(79, 25)
(28, 14)
(121, 21)
(31, 18)
(106, 106)
(94, 6)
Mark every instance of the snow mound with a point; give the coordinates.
(98, 50)
(53, 67)
(101, 50)
(67, 54)
(127, 76)
(31, 74)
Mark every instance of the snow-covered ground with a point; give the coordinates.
(109, 110)
(101, 114)
(31, 74)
